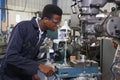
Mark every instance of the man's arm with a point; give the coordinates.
(13, 55)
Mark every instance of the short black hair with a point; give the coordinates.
(50, 9)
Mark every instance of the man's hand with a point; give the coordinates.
(35, 77)
(46, 70)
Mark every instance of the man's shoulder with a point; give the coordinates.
(24, 23)
(27, 23)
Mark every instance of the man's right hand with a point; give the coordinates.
(46, 70)
(35, 77)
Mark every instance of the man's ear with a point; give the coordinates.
(48, 23)
(45, 20)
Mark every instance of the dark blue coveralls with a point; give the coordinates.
(19, 62)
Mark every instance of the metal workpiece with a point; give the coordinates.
(81, 64)
(70, 72)
(78, 69)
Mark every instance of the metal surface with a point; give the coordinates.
(70, 72)
(107, 52)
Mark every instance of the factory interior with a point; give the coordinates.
(84, 47)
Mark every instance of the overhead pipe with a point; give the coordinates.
(54, 2)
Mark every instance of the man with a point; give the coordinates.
(19, 62)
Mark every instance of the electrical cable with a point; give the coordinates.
(113, 74)
(55, 77)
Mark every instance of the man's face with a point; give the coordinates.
(53, 23)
